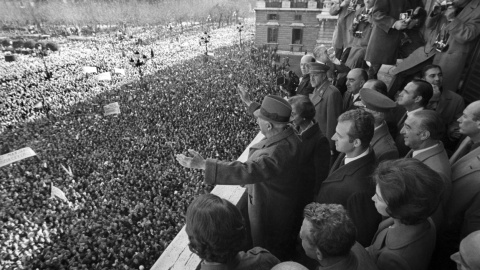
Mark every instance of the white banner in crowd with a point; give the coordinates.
(56, 192)
(112, 108)
(119, 71)
(106, 76)
(89, 70)
(16, 156)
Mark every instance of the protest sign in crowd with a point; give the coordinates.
(103, 190)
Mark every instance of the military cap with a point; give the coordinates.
(274, 109)
(317, 68)
(376, 101)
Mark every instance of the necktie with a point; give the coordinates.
(401, 122)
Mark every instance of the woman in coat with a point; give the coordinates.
(407, 192)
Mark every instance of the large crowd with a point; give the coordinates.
(127, 194)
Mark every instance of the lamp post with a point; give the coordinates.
(205, 39)
(240, 29)
(41, 52)
(138, 60)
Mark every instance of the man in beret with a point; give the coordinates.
(270, 175)
(327, 101)
(382, 142)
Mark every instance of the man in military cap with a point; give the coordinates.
(270, 175)
(379, 105)
(327, 100)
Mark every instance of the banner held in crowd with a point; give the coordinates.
(56, 192)
(106, 76)
(16, 156)
(119, 71)
(112, 108)
(89, 70)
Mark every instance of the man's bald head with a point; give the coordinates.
(467, 256)
(469, 122)
(307, 59)
(304, 63)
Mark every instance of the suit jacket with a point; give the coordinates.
(343, 38)
(463, 209)
(328, 107)
(464, 31)
(351, 186)
(305, 87)
(383, 144)
(271, 178)
(437, 159)
(403, 247)
(450, 107)
(385, 40)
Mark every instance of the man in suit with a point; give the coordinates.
(382, 142)
(328, 237)
(459, 28)
(304, 87)
(414, 97)
(448, 104)
(270, 175)
(327, 101)
(361, 30)
(422, 132)
(355, 80)
(462, 215)
(348, 182)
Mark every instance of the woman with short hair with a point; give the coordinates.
(217, 234)
(407, 192)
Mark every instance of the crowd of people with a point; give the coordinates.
(127, 195)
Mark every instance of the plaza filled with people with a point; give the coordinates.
(129, 131)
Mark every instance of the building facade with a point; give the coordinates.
(295, 25)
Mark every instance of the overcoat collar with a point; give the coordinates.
(266, 142)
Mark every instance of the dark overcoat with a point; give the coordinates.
(403, 247)
(327, 100)
(314, 161)
(271, 178)
(464, 31)
(463, 209)
(385, 40)
(351, 186)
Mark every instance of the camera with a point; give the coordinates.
(406, 16)
(446, 6)
(352, 5)
(356, 22)
(441, 46)
(441, 43)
